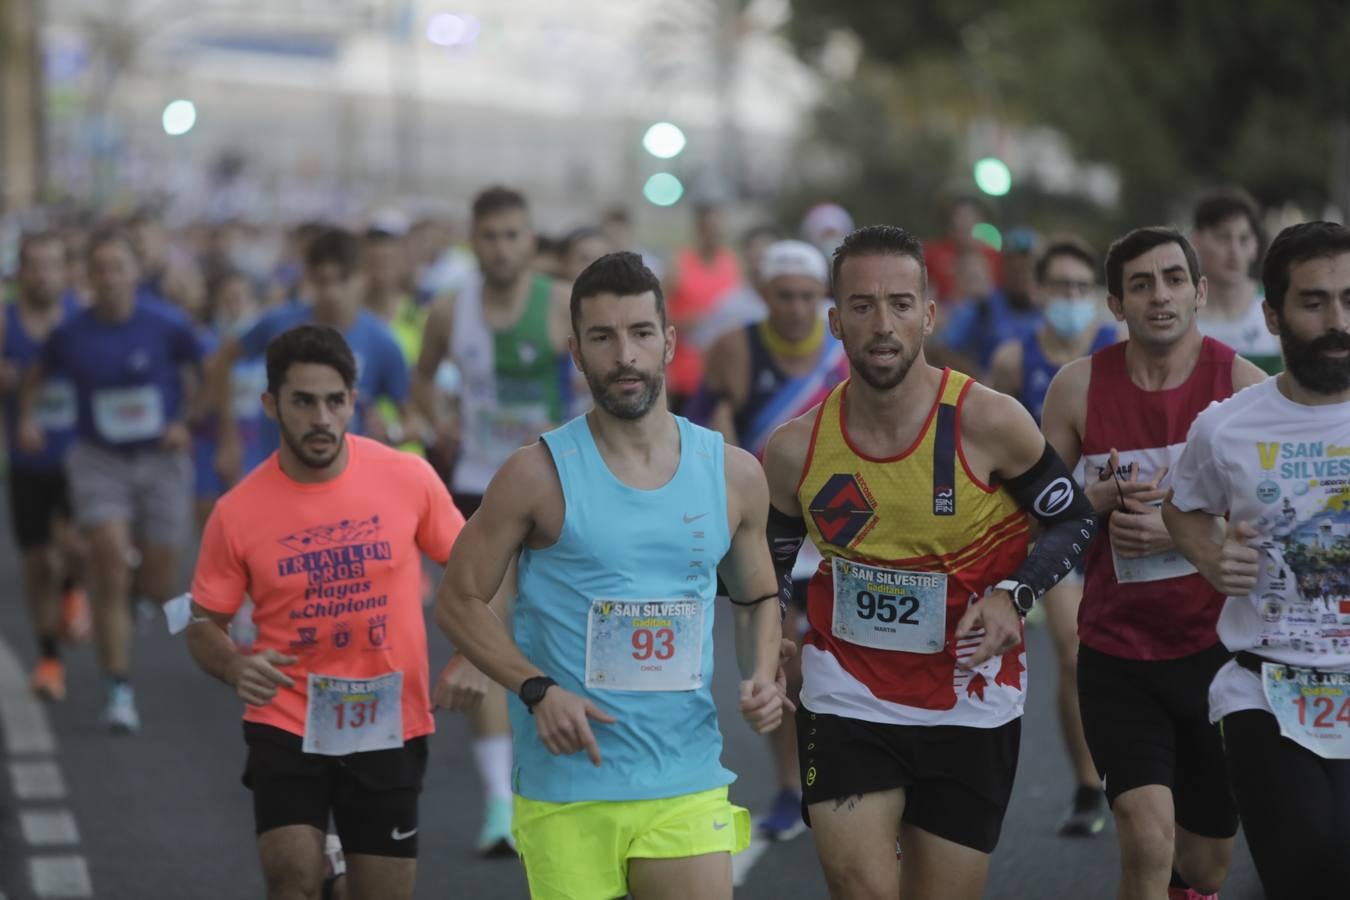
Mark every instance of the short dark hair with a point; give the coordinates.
(497, 199)
(1299, 243)
(877, 240)
(318, 344)
(334, 245)
(31, 239)
(579, 234)
(1066, 245)
(1215, 209)
(109, 235)
(761, 230)
(622, 273)
(1136, 244)
(381, 236)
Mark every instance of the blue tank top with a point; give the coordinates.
(623, 544)
(57, 409)
(1037, 371)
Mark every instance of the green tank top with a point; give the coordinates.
(526, 366)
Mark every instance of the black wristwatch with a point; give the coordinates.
(1023, 595)
(532, 691)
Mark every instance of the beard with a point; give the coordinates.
(626, 406)
(1309, 364)
(309, 456)
(878, 378)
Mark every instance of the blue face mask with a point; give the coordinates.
(1070, 318)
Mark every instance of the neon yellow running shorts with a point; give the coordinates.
(580, 851)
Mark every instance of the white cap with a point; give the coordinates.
(794, 258)
(825, 219)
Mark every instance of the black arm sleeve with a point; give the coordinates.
(786, 534)
(1047, 491)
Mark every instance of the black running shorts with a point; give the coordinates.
(957, 780)
(372, 796)
(36, 498)
(1147, 722)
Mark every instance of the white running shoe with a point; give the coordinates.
(120, 714)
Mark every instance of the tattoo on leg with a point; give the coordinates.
(850, 802)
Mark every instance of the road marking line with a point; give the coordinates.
(21, 715)
(40, 780)
(65, 877)
(48, 827)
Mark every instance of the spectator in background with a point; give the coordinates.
(1228, 238)
(943, 255)
(581, 247)
(825, 226)
(701, 276)
(991, 314)
(744, 303)
(165, 274)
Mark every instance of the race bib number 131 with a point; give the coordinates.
(353, 715)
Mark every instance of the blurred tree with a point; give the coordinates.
(1176, 96)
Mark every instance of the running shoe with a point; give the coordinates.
(1087, 816)
(120, 714)
(1181, 893)
(784, 821)
(75, 621)
(49, 679)
(494, 840)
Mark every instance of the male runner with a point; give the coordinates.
(762, 375)
(1275, 459)
(506, 332)
(1228, 239)
(129, 472)
(914, 483)
(622, 519)
(39, 494)
(327, 537)
(1064, 290)
(1146, 624)
(333, 271)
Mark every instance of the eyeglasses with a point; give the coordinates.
(1064, 287)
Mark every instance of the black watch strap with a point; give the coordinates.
(532, 690)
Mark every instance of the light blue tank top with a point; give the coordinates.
(624, 544)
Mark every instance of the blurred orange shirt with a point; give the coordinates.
(335, 572)
(698, 285)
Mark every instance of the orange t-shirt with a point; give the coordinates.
(334, 570)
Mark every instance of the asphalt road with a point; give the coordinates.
(163, 815)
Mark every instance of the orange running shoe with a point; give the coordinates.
(49, 679)
(75, 621)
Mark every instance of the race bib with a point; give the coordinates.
(123, 415)
(353, 715)
(504, 429)
(1157, 567)
(56, 406)
(644, 645)
(889, 609)
(1312, 707)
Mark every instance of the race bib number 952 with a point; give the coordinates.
(889, 609)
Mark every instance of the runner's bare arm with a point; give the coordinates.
(479, 561)
(219, 399)
(1246, 373)
(785, 461)
(512, 514)
(1005, 369)
(749, 575)
(435, 345)
(255, 677)
(31, 437)
(725, 375)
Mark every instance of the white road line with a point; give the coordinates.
(25, 723)
(39, 780)
(48, 827)
(65, 877)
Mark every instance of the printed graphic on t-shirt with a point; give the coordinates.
(337, 561)
(1304, 582)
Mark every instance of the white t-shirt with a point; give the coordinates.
(1247, 334)
(1285, 468)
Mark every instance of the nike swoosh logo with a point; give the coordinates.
(688, 518)
(402, 835)
(718, 826)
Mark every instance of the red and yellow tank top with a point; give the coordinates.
(909, 541)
